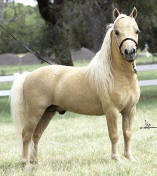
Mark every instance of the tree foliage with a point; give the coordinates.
(81, 24)
(25, 23)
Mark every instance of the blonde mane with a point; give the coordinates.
(100, 67)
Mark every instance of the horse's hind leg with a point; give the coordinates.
(113, 132)
(126, 125)
(34, 114)
(26, 137)
(41, 126)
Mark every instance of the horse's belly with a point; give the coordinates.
(87, 109)
(82, 103)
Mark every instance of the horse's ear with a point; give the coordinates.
(134, 13)
(115, 13)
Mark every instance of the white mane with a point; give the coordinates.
(100, 68)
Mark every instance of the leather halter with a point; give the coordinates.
(120, 46)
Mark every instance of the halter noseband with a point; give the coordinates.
(120, 46)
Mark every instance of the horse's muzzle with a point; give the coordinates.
(130, 54)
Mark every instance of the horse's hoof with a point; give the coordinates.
(24, 163)
(130, 157)
(34, 161)
(62, 112)
(115, 157)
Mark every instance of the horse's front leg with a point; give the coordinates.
(126, 125)
(113, 132)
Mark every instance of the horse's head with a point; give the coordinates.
(126, 34)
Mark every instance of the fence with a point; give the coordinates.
(139, 68)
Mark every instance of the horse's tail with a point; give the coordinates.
(17, 103)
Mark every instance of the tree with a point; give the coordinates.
(53, 14)
(1, 10)
(97, 15)
(72, 24)
(26, 24)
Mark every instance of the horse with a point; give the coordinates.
(108, 86)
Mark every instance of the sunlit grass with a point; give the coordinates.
(147, 75)
(78, 145)
(146, 60)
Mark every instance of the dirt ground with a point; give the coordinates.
(29, 59)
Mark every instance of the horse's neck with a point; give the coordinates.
(119, 65)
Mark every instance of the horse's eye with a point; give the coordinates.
(117, 32)
(138, 31)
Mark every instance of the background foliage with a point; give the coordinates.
(25, 23)
(84, 22)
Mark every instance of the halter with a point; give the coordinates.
(120, 46)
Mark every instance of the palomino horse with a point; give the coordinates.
(107, 86)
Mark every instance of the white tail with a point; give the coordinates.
(17, 102)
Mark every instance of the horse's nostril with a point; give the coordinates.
(133, 51)
(126, 51)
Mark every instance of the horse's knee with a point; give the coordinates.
(27, 133)
(127, 134)
(26, 138)
(36, 138)
(114, 138)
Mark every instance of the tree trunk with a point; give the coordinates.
(53, 15)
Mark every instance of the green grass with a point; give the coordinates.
(146, 60)
(78, 145)
(147, 75)
(5, 85)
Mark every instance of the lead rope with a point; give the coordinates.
(35, 53)
(134, 67)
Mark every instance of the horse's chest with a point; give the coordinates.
(127, 96)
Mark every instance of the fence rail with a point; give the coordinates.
(140, 68)
(7, 78)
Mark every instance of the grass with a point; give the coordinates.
(78, 145)
(5, 86)
(146, 60)
(147, 75)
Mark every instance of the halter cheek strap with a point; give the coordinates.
(120, 46)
